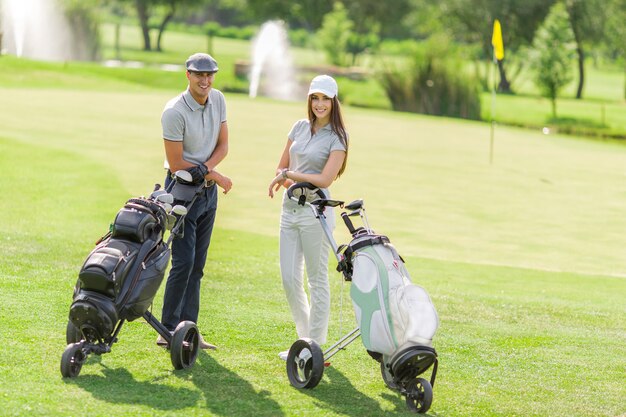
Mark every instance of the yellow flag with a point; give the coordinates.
(496, 40)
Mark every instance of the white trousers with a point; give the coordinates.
(302, 242)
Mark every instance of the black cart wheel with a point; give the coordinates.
(305, 364)
(72, 333)
(184, 345)
(387, 377)
(72, 360)
(419, 395)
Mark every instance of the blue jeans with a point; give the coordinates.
(181, 300)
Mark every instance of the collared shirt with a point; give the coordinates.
(309, 153)
(197, 126)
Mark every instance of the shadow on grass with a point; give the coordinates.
(226, 393)
(118, 386)
(337, 393)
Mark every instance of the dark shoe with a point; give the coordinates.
(202, 344)
(161, 341)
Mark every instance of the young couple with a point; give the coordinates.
(195, 134)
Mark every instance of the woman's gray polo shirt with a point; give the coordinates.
(309, 154)
(197, 126)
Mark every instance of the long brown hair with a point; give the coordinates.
(336, 124)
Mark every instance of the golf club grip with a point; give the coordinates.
(348, 222)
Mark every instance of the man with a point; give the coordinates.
(195, 134)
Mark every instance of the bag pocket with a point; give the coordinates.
(134, 225)
(140, 295)
(419, 316)
(99, 270)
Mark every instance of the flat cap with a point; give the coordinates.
(201, 63)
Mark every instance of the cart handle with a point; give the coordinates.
(302, 186)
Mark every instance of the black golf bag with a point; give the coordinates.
(122, 274)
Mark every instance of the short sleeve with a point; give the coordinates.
(222, 104)
(336, 144)
(297, 127)
(173, 124)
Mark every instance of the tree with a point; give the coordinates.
(615, 33)
(359, 43)
(146, 9)
(471, 21)
(554, 46)
(307, 14)
(587, 19)
(385, 17)
(143, 13)
(335, 33)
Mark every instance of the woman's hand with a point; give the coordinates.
(276, 183)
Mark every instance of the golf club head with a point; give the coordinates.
(157, 193)
(171, 221)
(168, 207)
(165, 198)
(183, 175)
(356, 205)
(179, 210)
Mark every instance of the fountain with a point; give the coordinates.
(272, 73)
(38, 29)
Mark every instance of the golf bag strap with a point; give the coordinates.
(374, 240)
(153, 207)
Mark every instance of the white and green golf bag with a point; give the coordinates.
(391, 312)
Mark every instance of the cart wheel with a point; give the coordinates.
(387, 377)
(419, 395)
(72, 360)
(305, 364)
(72, 333)
(184, 345)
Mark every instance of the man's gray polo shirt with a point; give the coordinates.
(197, 126)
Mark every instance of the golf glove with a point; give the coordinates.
(198, 172)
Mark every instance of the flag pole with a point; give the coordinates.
(493, 106)
(498, 54)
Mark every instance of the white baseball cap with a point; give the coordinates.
(324, 84)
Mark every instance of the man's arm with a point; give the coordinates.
(174, 155)
(220, 151)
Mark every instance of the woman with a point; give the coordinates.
(316, 152)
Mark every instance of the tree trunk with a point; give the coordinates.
(118, 54)
(142, 13)
(504, 86)
(164, 23)
(581, 71)
(575, 14)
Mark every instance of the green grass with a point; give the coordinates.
(512, 341)
(523, 258)
(600, 118)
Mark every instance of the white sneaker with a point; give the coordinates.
(283, 355)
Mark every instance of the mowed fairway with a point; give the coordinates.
(524, 258)
(546, 202)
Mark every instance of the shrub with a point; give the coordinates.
(431, 83)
